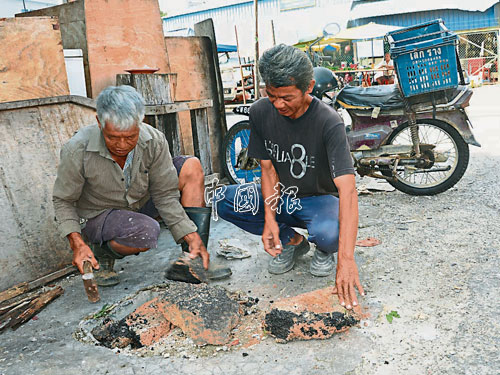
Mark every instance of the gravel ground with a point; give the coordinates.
(437, 266)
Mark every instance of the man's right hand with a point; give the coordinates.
(81, 252)
(271, 238)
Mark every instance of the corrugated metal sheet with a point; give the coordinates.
(290, 26)
(239, 9)
(454, 19)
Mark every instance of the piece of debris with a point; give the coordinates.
(313, 315)
(24, 311)
(113, 334)
(206, 314)
(362, 190)
(232, 248)
(368, 242)
(187, 270)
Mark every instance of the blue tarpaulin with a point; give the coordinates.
(226, 48)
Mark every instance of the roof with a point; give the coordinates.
(369, 31)
(374, 8)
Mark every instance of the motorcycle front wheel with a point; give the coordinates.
(438, 175)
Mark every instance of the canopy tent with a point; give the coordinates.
(322, 44)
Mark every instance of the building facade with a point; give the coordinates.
(292, 20)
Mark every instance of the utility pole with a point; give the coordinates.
(241, 69)
(256, 84)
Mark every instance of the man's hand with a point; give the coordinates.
(81, 252)
(197, 248)
(271, 238)
(347, 278)
(345, 282)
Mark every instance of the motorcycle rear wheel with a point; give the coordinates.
(431, 181)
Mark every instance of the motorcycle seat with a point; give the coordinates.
(383, 96)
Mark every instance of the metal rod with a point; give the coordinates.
(241, 68)
(274, 36)
(256, 83)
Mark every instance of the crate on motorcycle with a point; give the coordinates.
(424, 58)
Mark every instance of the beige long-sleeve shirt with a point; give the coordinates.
(89, 181)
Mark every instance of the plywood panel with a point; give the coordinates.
(72, 21)
(123, 34)
(31, 59)
(30, 141)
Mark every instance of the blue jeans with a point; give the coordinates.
(319, 215)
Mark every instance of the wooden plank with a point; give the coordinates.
(18, 104)
(24, 287)
(35, 306)
(168, 124)
(201, 135)
(178, 107)
(16, 301)
(32, 59)
(14, 291)
(206, 28)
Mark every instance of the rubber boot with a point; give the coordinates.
(105, 275)
(201, 217)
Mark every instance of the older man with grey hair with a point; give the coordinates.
(118, 176)
(305, 163)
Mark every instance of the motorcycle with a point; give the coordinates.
(419, 147)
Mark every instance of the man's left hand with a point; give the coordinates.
(197, 248)
(346, 281)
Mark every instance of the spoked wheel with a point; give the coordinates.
(239, 168)
(440, 167)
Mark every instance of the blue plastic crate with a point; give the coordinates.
(424, 58)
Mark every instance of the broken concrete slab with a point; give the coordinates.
(313, 315)
(204, 313)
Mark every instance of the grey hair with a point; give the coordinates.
(284, 65)
(122, 106)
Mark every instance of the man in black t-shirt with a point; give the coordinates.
(305, 162)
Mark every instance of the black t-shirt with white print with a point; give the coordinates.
(307, 152)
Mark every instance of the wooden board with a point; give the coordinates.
(121, 35)
(30, 141)
(31, 59)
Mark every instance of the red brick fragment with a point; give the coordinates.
(148, 322)
(313, 315)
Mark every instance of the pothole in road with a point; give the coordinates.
(178, 319)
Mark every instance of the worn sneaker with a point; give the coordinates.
(322, 264)
(285, 261)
